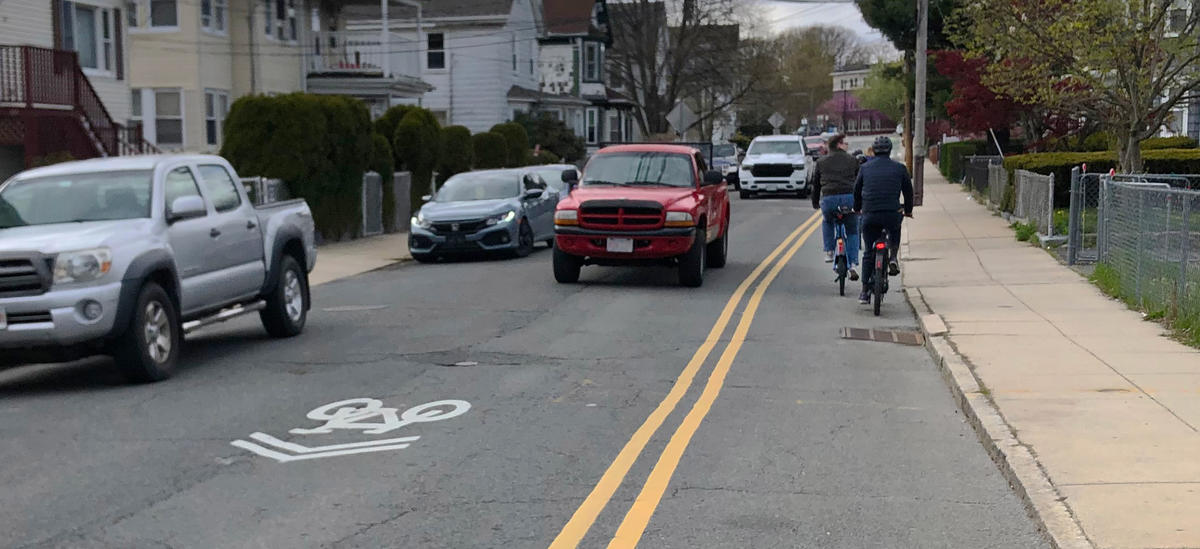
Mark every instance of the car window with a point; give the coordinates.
(479, 186)
(80, 197)
(724, 150)
(179, 183)
(774, 147)
(552, 177)
(533, 181)
(700, 163)
(640, 168)
(220, 187)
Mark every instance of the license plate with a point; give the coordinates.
(620, 245)
(454, 240)
(3, 319)
(772, 188)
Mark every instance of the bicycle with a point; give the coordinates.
(841, 262)
(880, 274)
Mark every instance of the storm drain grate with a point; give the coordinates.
(884, 336)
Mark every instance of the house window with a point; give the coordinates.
(512, 43)
(591, 61)
(435, 57)
(89, 31)
(168, 117)
(1176, 20)
(135, 101)
(216, 106)
(212, 15)
(591, 129)
(292, 23)
(280, 20)
(164, 13)
(614, 127)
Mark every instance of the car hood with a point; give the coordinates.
(663, 195)
(797, 158)
(468, 209)
(64, 237)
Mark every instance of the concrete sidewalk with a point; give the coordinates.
(344, 259)
(1103, 403)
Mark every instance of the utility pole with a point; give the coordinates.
(918, 142)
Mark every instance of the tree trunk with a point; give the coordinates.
(1131, 154)
(908, 115)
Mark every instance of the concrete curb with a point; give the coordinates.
(1018, 465)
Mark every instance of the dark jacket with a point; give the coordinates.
(834, 175)
(879, 185)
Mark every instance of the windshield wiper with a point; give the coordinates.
(649, 184)
(588, 182)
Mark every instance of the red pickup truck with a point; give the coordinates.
(643, 204)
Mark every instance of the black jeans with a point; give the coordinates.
(873, 224)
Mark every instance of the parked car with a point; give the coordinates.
(125, 255)
(644, 204)
(485, 211)
(552, 174)
(775, 164)
(725, 160)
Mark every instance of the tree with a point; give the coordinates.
(974, 107)
(417, 142)
(386, 124)
(457, 153)
(553, 135)
(666, 51)
(490, 150)
(1125, 64)
(885, 90)
(516, 143)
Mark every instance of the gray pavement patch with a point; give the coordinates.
(1016, 461)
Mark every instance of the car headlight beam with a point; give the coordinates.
(502, 218)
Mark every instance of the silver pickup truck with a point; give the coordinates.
(123, 256)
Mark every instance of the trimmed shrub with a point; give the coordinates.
(952, 157)
(1156, 143)
(386, 125)
(417, 142)
(1158, 161)
(1096, 142)
(383, 164)
(457, 155)
(516, 142)
(318, 145)
(553, 135)
(490, 150)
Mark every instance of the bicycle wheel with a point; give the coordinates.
(880, 279)
(841, 274)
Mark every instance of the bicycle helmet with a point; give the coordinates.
(882, 146)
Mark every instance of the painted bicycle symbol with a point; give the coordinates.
(367, 415)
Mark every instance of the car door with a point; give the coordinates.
(535, 208)
(714, 198)
(550, 198)
(190, 241)
(238, 239)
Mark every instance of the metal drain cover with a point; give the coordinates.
(902, 337)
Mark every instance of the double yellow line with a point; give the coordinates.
(634, 524)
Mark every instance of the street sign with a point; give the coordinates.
(776, 120)
(681, 117)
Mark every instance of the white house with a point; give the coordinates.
(480, 56)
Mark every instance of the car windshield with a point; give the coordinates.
(724, 150)
(774, 147)
(479, 186)
(640, 169)
(552, 177)
(75, 198)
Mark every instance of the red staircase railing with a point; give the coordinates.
(35, 78)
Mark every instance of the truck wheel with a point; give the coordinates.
(524, 240)
(744, 195)
(424, 258)
(149, 348)
(287, 305)
(566, 267)
(691, 264)
(718, 249)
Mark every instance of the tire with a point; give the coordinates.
(549, 242)
(566, 267)
(880, 286)
(840, 261)
(691, 264)
(524, 240)
(744, 195)
(718, 250)
(424, 258)
(149, 348)
(287, 305)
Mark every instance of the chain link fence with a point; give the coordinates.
(1150, 251)
(997, 182)
(1085, 216)
(1035, 200)
(976, 172)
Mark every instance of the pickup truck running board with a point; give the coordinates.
(224, 315)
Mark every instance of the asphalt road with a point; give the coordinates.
(802, 439)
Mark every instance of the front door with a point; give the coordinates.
(238, 246)
(714, 198)
(191, 243)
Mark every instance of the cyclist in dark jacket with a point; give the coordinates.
(877, 191)
(833, 186)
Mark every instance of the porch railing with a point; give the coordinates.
(363, 53)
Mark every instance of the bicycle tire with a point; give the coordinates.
(841, 274)
(880, 282)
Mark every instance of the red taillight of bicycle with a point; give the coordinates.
(881, 245)
(841, 247)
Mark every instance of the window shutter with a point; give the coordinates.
(119, 42)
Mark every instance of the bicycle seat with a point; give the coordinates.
(845, 209)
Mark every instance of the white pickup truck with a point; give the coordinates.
(123, 256)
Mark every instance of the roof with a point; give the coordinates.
(526, 95)
(649, 147)
(430, 9)
(116, 163)
(574, 18)
(857, 67)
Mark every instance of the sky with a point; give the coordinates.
(785, 15)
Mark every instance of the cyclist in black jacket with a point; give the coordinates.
(877, 191)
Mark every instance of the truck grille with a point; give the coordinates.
(22, 276)
(772, 170)
(30, 318)
(459, 227)
(620, 215)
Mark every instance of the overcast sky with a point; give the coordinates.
(785, 15)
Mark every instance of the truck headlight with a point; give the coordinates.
(82, 265)
(420, 221)
(502, 218)
(747, 167)
(680, 219)
(566, 217)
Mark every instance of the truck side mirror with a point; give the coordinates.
(570, 176)
(186, 207)
(713, 177)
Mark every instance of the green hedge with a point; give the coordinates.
(490, 151)
(952, 157)
(418, 142)
(553, 135)
(318, 145)
(1180, 142)
(1157, 161)
(516, 143)
(458, 154)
